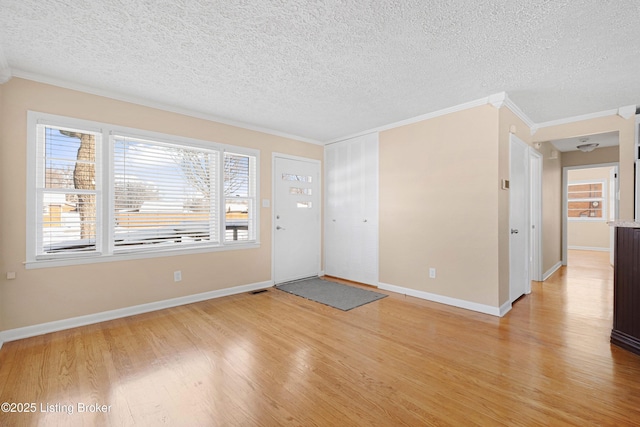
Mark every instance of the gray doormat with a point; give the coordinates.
(329, 293)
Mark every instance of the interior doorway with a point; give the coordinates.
(590, 200)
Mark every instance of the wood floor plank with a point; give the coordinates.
(273, 359)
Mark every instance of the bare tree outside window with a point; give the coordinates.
(84, 178)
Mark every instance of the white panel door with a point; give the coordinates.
(519, 281)
(296, 231)
(351, 226)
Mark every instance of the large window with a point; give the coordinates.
(586, 200)
(101, 191)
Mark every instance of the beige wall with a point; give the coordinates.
(597, 156)
(48, 294)
(590, 234)
(551, 207)
(439, 185)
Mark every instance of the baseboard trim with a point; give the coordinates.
(74, 322)
(588, 248)
(455, 302)
(552, 270)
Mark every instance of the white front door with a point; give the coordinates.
(519, 282)
(296, 220)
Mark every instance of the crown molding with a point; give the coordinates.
(497, 99)
(157, 105)
(580, 118)
(520, 114)
(627, 112)
(5, 71)
(438, 113)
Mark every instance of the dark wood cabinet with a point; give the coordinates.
(626, 290)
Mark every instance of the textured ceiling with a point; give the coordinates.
(327, 69)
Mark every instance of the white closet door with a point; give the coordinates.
(351, 231)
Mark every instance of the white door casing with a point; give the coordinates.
(519, 221)
(613, 208)
(296, 218)
(535, 185)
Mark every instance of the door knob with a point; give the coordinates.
(514, 231)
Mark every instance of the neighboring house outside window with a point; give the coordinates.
(586, 201)
(97, 191)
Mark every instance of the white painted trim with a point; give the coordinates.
(497, 99)
(518, 112)
(157, 105)
(577, 118)
(627, 112)
(535, 174)
(589, 248)
(455, 302)
(74, 322)
(505, 308)
(552, 270)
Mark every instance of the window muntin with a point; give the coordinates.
(586, 201)
(150, 193)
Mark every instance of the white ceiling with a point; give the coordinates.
(322, 70)
(609, 139)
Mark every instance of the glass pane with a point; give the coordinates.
(70, 157)
(585, 209)
(162, 194)
(68, 222)
(236, 219)
(297, 190)
(585, 191)
(293, 177)
(237, 173)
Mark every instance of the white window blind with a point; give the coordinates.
(67, 190)
(163, 195)
(97, 191)
(240, 196)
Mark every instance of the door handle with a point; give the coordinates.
(280, 228)
(514, 231)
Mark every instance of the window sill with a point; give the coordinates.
(60, 262)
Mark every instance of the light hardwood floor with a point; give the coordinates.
(277, 359)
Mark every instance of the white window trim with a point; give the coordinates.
(104, 253)
(603, 200)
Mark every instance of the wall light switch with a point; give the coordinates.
(266, 203)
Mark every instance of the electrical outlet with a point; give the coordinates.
(432, 273)
(177, 276)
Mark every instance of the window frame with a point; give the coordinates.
(105, 202)
(602, 200)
